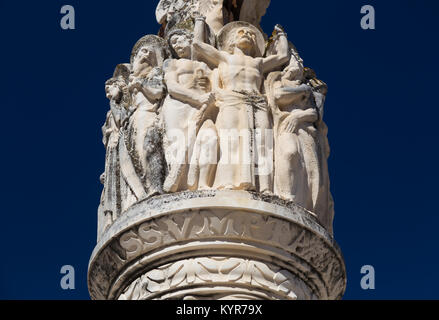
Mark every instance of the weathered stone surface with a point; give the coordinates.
(218, 13)
(156, 235)
(216, 165)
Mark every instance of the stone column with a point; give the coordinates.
(271, 239)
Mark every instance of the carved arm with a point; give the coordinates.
(203, 51)
(152, 92)
(308, 115)
(273, 62)
(296, 117)
(289, 95)
(180, 92)
(200, 28)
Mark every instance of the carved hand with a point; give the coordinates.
(279, 29)
(196, 15)
(200, 115)
(208, 99)
(135, 84)
(290, 124)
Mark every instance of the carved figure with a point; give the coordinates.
(242, 107)
(144, 161)
(116, 90)
(300, 158)
(218, 13)
(189, 99)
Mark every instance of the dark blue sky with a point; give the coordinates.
(381, 112)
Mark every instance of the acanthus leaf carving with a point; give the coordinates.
(233, 271)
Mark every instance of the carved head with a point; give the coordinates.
(116, 88)
(145, 60)
(241, 35)
(149, 52)
(245, 39)
(180, 42)
(295, 70)
(113, 90)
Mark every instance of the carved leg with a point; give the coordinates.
(176, 159)
(228, 172)
(208, 156)
(311, 164)
(289, 168)
(264, 152)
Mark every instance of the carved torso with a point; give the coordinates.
(184, 70)
(241, 73)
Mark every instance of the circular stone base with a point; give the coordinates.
(216, 245)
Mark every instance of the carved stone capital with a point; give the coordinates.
(218, 245)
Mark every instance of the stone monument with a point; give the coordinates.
(216, 183)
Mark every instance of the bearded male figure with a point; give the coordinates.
(143, 164)
(189, 99)
(242, 107)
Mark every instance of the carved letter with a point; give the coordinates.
(131, 243)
